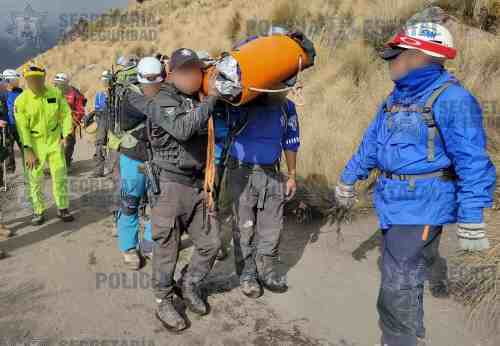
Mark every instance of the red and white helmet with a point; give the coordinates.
(430, 38)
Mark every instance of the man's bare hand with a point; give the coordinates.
(291, 188)
(3, 123)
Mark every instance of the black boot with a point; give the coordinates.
(274, 282)
(439, 289)
(268, 275)
(65, 215)
(193, 298)
(38, 219)
(168, 315)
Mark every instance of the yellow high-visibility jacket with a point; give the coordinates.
(42, 121)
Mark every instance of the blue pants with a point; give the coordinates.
(133, 189)
(406, 259)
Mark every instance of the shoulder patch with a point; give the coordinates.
(168, 111)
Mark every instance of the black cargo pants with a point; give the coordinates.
(180, 208)
(258, 198)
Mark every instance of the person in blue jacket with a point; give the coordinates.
(13, 91)
(133, 152)
(428, 141)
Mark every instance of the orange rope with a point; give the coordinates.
(210, 165)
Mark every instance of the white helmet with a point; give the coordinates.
(149, 71)
(122, 61)
(10, 74)
(277, 30)
(430, 38)
(61, 78)
(106, 75)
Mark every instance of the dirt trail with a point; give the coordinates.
(66, 283)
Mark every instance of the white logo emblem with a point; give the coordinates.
(27, 28)
(185, 52)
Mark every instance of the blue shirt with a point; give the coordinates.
(100, 101)
(11, 99)
(270, 129)
(401, 148)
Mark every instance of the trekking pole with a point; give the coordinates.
(4, 163)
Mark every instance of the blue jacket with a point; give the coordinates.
(221, 133)
(11, 99)
(271, 128)
(100, 101)
(402, 149)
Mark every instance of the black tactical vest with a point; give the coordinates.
(179, 157)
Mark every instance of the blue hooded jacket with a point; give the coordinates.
(402, 149)
(11, 99)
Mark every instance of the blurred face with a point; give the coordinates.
(406, 62)
(36, 84)
(61, 86)
(151, 90)
(187, 79)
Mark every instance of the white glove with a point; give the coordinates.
(345, 195)
(472, 236)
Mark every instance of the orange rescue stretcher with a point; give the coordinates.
(265, 62)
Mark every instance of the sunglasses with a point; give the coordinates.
(156, 78)
(36, 69)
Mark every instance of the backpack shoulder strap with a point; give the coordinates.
(428, 117)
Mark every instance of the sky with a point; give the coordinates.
(48, 19)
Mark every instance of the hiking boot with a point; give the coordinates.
(4, 232)
(132, 259)
(192, 297)
(268, 276)
(37, 219)
(251, 288)
(168, 316)
(439, 289)
(65, 215)
(274, 283)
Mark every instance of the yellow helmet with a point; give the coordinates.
(31, 70)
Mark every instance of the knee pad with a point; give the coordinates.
(130, 204)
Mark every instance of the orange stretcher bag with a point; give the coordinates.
(265, 62)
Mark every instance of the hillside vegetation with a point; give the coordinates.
(342, 91)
